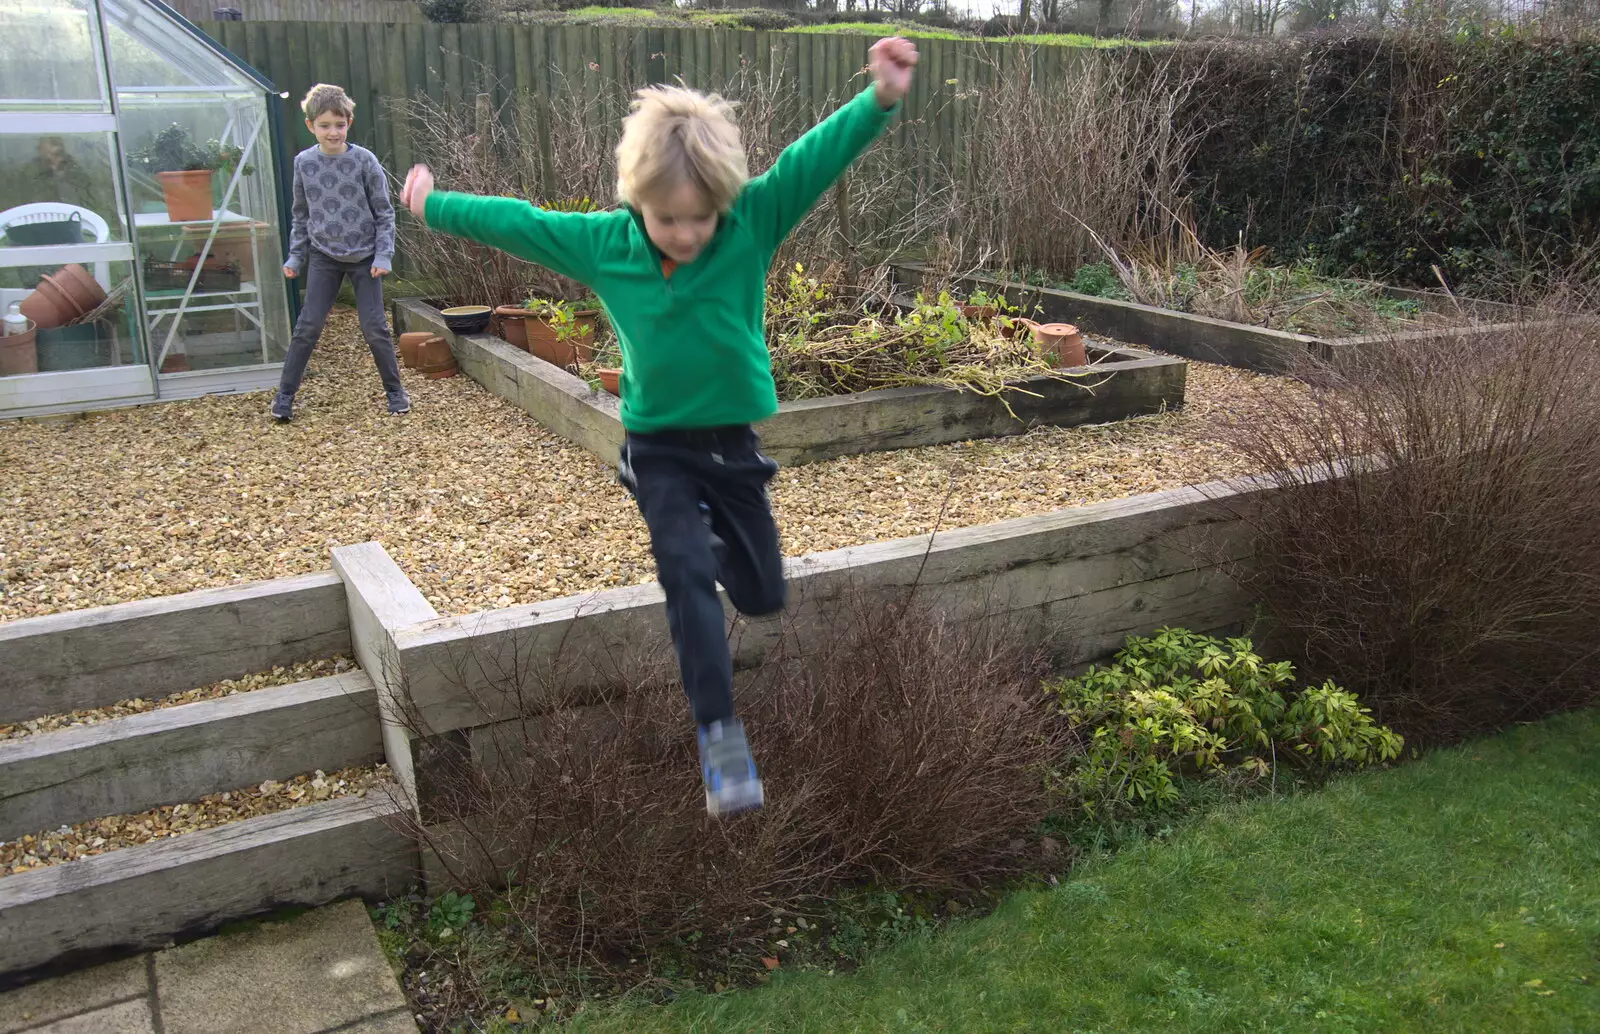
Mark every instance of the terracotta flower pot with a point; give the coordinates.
(188, 195)
(439, 375)
(50, 306)
(980, 313)
(177, 362)
(19, 354)
(409, 344)
(78, 285)
(513, 320)
(610, 379)
(433, 354)
(577, 348)
(1060, 344)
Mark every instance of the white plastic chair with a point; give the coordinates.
(46, 211)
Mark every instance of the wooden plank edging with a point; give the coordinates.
(90, 658)
(143, 897)
(1097, 570)
(177, 754)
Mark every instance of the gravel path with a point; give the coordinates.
(280, 676)
(479, 505)
(97, 836)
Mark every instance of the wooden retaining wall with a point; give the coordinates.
(90, 658)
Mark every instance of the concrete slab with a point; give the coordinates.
(127, 1018)
(394, 1023)
(319, 971)
(35, 1005)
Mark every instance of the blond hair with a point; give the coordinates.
(324, 98)
(674, 136)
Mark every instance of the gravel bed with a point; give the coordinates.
(98, 836)
(478, 504)
(279, 676)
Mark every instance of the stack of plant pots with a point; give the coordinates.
(410, 344)
(435, 360)
(63, 297)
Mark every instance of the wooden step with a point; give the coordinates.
(146, 896)
(83, 659)
(182, 753)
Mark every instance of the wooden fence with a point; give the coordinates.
(303, 10)
(452, 64)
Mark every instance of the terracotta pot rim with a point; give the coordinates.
(73, 275)
(49, 306)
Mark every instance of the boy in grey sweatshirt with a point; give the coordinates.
(343, 226)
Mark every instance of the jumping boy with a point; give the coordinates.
(342, 227)
(681, 268)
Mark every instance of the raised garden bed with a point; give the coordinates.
(1121, 382)
(1203, 338)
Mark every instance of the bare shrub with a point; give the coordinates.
(1049, 165)
(556, 153)
(562, 150)
(1451, 576)
(898, 748)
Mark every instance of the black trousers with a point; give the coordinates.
(703, 494)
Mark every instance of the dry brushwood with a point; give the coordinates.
(1453, 583)
(831, 340)
(900, 748)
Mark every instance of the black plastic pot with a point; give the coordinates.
(56, 231)
(72, 348)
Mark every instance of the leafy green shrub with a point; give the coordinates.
(454, 11)
(1181, 705)
(758, 18)
(1097, 279)
(1393, 153)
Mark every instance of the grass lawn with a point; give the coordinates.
(1457, 893)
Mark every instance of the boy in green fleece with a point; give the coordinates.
(681, 267)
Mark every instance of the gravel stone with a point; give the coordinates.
(479, 505)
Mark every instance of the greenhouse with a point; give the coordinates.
(142, 209)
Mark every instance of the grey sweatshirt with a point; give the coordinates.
(341, 208)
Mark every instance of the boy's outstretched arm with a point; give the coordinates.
(778, 199)
(563, 242)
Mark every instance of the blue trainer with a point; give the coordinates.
(732, 785)
(282, 407)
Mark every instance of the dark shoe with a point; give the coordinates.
(282, 408)
(399, 402)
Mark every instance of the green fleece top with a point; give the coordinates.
(694, 352)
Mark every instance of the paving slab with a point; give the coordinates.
(126, 1018)
(394, 1023)
(320, 971)
(36, 1005)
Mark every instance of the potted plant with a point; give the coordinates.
(980, 307)
(560, 332)
(184, 170)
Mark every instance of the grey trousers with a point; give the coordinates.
(322, 277)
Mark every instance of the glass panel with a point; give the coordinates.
(50, 56)
(95, 327)
(213, 284)
(148, 49)
(58, 189)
